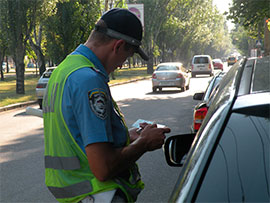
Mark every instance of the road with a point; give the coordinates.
(21, 142)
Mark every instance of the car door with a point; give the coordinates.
(239, 168)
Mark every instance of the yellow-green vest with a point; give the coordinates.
(67, 172)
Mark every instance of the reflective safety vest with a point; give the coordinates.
(67, 172)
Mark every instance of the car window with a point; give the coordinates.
(212, 86)
(261, 75)
(162, 68)
(201, 60)
(239, 169)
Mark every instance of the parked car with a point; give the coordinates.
(4, 66)
(201, 65)
(172, 74)
(231, 60)
(200, 110)
(218, 64)
(229, 158)
(42, 83)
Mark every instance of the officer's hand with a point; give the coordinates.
(153, 137)
(135, 132)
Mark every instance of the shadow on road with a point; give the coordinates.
(22, 169)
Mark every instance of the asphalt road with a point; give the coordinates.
(21, 142)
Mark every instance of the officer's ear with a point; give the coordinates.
(119, 44)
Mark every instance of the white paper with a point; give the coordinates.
(137, 123)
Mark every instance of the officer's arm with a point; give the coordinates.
(107, 162)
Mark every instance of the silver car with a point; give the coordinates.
(172, 74)
(42, 83)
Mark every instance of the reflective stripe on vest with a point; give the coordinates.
(71, 190)
(62, 163)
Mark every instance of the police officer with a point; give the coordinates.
(90, 154)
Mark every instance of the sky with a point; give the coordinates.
(223, 5)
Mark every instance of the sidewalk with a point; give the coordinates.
(25, 104)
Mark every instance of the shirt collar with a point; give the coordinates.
(89, 54)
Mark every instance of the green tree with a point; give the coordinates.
(67, 25)
(155, 15)
(241, 39)
(3, 36)
(195, 27)
(19, 18)
(252, 15)
(37, 35)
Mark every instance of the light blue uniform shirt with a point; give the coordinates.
(85, 123)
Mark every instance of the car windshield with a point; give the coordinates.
(199, 60)
(232, 58)
(162, 68)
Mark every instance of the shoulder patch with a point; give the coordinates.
(98, 103)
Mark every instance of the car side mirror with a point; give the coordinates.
(176, 148)
(198, 96)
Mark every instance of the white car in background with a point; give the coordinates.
(42, 83)
(4, 65)
(201, 65)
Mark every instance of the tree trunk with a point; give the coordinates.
(19, 77)
(150, 69)
(2, 54)
(18, 58)
(40, 56)
(7, 64)
(266, 39)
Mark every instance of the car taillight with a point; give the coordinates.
(209, 67)
(154, 76)
(198, 117)
(41, 85)
(192, 67)
(179, 75)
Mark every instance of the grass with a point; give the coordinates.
(9, 96)
(125, 74)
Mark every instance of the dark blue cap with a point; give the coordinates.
(123, 24)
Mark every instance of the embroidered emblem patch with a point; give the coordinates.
(98, 103)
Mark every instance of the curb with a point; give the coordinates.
(19, 105)
(135, 80)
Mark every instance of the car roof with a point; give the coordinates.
(201, 55)
(51, 68)
(170, 64)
